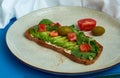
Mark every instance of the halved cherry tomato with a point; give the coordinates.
(57, 24)
(53, 33)
(41, 27)
(71, 36)
(84, 47)
(86, 24)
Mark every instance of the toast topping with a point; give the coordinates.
(70, 38)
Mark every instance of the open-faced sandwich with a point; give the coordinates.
(67, 40)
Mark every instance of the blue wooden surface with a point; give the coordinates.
(11, 67)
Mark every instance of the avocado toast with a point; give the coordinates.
(67, 40)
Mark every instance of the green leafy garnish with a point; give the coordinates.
(83, 55)
(34, 29)
(93, 45)
(51, 28)
(46, 21)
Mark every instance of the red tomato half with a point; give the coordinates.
(57, 24)
(53, 33)
(84, 47)
(41, 27)
(71, 36)
(86, 24)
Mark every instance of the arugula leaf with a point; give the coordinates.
(46, 21)
(93, 45)
(75, 30)
(34, 29)
(81, 38)
(51, 28)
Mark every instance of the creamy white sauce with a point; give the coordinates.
(31, 35)
(67, 51)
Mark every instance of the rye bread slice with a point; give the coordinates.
(62, 51)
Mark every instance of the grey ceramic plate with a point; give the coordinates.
(42, 58)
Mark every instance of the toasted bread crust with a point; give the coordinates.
(61, 50)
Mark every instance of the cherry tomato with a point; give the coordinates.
(41, 27)
(71, 36)
(84, 47)
(57, 24)
(86, 24)
(53, 33)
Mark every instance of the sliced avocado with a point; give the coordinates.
(69, 45)
(59, 40)
(63, 42)
(72, 47)
(42, 35)
(53, 39)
